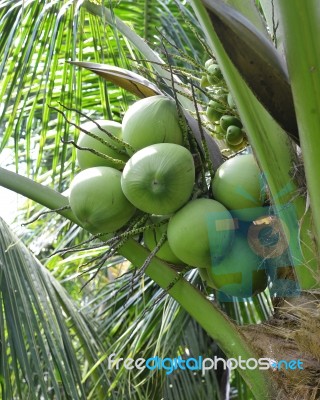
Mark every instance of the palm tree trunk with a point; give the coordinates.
(292, 334)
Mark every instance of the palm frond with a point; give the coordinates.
(155, 326)
(43, 38)
(39, 352)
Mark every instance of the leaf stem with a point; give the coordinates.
(37, 192)
(300, 25)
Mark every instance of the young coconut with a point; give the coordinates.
(87, 159)
(235, 135)
(97, 200)
(214, 74)
(151, 120)
(152, 237)
(201, 232)
(229, 120)
(238, 185)
(214, 111)
(159, 179)
(205, 277)
(241, 273)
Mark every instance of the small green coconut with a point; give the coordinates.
(205, 277)
(97, 200)
(230, 100)
(201, 232)
(152, 237)
(204, 82)
(214, 74)
(159, 179)
(86, 159)
(208, 63)
(235, 135)
(241, 273)
(228, 120)
(239, 186)
(214, 111)
(151, 120)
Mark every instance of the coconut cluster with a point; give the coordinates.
(143, 167)
(221, 109)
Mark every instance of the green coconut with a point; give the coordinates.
(201, 232)
(87, 159)
(228, 120)
(205, 277)
(159, 179)
(238, 185)
(151, 120)
(230, 100)
(97, 200)
(208, 63)
(214, 111)
(241, 273)
(214, 74)
(204, 82)
(235, 135)
(152, 237)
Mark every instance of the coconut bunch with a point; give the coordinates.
(221, 109)
(143, 178)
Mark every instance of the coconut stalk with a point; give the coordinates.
(267, 138)
(301, 32)
(208, 315)
(271, 13)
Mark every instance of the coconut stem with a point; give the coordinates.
(151, 255)
(134, 231)
(208, 161)
(111, 136)
(96, 152)
(93, 135)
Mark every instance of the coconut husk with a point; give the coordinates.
(292, 333)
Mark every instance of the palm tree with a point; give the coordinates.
(40, 93)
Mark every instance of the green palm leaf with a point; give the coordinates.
(39, 354)
(155, 325)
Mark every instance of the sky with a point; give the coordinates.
(8, 204)
(9, 200)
